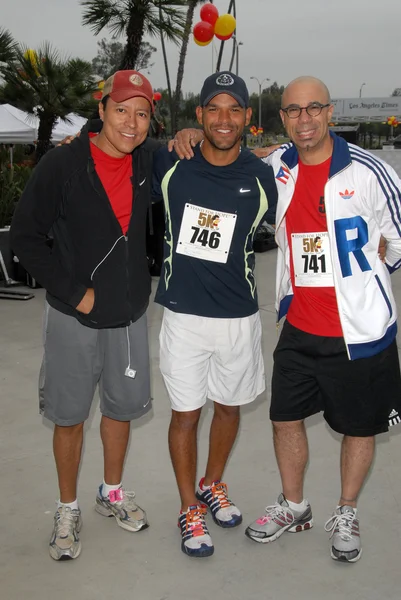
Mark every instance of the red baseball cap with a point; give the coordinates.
(124, 85)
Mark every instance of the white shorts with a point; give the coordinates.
(202, 358)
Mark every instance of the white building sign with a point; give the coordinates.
(362, 110)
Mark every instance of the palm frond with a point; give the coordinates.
(105, 14)
(7, 46)
(43, 78)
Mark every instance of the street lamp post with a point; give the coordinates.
(237, 56)
(360, 90)
(260, 83)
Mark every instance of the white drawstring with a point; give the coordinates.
(109, 252)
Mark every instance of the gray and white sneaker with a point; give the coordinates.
(120, 504)
(278, 519)
(343, 527)
(64, 542)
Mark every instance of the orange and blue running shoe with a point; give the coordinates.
(196, 540)
(215, 498)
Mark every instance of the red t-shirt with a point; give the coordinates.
(115, 175)
(313, 309)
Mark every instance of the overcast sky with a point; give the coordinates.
(345, 43)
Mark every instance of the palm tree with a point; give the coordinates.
(134, 18)
(192, 4)
(43, 84)
(166, 67)
(7, 46)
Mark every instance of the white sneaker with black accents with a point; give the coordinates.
(343, 527)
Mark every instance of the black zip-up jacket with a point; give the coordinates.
(65, 197)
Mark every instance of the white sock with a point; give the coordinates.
(299, 508)
(72, 505)
(106, 488)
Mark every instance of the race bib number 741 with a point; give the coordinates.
(312, 259)
(205, 233)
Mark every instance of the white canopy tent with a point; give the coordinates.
(18, 127)
(14, 130)
(70, 127)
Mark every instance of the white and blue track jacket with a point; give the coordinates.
(363, 201)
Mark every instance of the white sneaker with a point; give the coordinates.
(344, 534)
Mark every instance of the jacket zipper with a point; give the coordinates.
(121, 233)
(285, 264)
(135, 187)
(127, 272)
(334, 272)
(102, 194)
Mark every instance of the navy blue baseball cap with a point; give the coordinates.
(225, 83)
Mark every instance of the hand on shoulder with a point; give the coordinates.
(184, 141)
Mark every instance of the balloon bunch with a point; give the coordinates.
(98, 94)
(256, 130)
(393, 121)
(212, 24)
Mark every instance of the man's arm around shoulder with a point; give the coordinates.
(163, 161)
(268, 182)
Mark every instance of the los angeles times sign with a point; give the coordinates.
(363, 110)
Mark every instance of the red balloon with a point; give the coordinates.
(203, 31)
(157, 96)
(209, 13)
(223, 37)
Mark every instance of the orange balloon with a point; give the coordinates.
(225, 25)
(201, 43)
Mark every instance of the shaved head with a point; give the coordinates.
(306, 82)
(310, 134)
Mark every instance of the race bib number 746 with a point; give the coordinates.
(205, 233)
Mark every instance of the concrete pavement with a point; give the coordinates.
(150, 565)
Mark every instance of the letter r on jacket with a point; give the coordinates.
(346, 246)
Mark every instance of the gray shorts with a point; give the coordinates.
(77, 358)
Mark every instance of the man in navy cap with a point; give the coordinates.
(210, 340)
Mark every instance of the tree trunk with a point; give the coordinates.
(134, 39)
(170, 97)
(46, 123)
(181, 65)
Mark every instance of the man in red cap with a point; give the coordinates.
(94, 196)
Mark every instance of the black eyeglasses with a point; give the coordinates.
(314, 109)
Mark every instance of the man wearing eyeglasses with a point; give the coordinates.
(337, 351)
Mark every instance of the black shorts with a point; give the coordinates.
(313, 373)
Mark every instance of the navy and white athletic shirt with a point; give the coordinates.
(211, 215)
